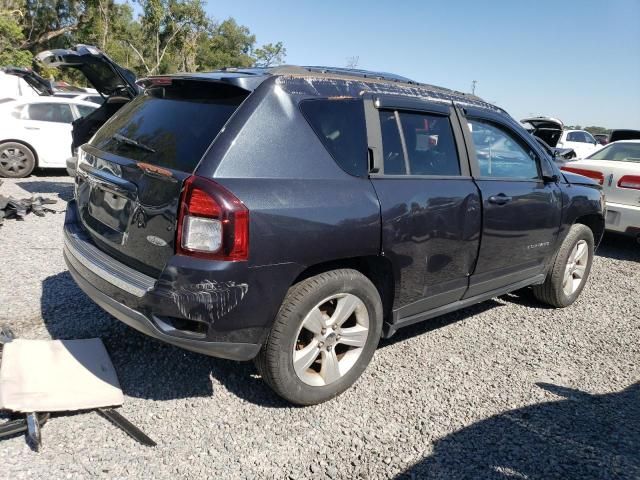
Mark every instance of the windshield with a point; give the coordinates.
(620, 152)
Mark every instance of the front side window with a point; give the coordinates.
(428, 140)
(51, 112)
(340, 125)
(500, 154)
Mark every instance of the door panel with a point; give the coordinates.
(431, 233)
(521, 212)
(517, 235)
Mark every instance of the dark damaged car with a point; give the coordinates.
(296, 215)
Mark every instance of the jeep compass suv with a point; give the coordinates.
(296, 215)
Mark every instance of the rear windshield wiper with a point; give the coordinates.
(129, 141)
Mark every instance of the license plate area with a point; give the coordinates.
(109, 208)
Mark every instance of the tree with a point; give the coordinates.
(166, 23)
(228, 45)
(167, 36)
(11, 38)
(269, 55)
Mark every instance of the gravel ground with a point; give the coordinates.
(505, 389)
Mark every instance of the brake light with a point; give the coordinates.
(593, 174)
(212, 222)
(630, 181)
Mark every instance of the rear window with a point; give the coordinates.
(173, 125)
(620, 152)
(340, 126)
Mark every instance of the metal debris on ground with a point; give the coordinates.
(75, 375)
(12, 208)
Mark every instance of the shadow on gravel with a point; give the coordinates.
(619, 247)
(583, 436)
(147, 368)
(37, 187)
(439, 322)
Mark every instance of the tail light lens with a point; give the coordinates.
(212, 222)
(630, 181)
(593, 174)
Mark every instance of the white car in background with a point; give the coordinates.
(581, 141)
(93, 97)
(552, 131)
(617, 168)
(36, 132)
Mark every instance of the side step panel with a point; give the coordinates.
(390, 329)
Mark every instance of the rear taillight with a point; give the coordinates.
(630, 181)
(595, 175)
(212, 222)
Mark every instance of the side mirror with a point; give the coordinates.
(550, 178)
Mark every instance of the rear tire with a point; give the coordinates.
(16, 160)
(323, 338)
(570, 270)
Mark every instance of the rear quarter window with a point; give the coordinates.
(340, 125)
(178, 122)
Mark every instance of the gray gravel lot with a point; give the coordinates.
(505, 389)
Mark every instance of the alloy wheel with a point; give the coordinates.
(13, 159)
(576, 267)
(331, 339)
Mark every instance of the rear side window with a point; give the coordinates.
(428, 140)
(340, 126)
(173, 125)
(51, 112)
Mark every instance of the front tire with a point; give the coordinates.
(323, 338)
(570, 270)
(16, 160)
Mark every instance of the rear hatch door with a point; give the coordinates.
(35, 81)
(130, 175)
(106, 76)
(547, 128)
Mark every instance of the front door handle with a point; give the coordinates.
(500, 199)
(32, 128)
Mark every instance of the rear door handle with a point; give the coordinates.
(32, 128)
(500, 199)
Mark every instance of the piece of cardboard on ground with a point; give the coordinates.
(57, 375)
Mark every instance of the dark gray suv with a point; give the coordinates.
(297, 215)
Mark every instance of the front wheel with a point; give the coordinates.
(323, 338)
(570, 269)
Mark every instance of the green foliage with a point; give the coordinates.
(11, 38)
(168, 35)
(270, 54)
(593, 130)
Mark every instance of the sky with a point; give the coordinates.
(576, 60)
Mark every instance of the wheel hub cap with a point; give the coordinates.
(575, 270)
(330, 339)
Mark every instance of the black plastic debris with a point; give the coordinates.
(12, 208)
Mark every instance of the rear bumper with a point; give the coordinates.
(136, 299)
(623, 218)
